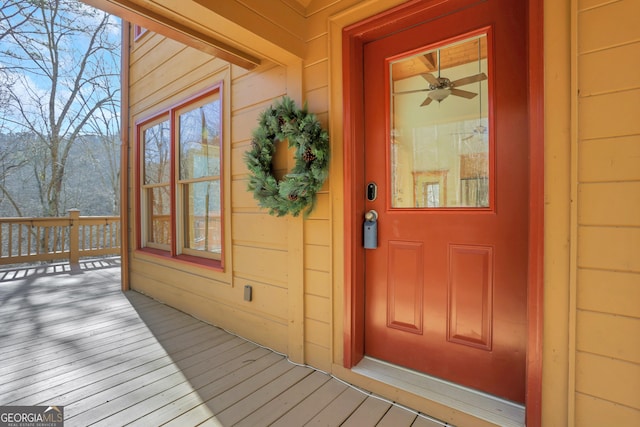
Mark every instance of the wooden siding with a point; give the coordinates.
(162, 73)
(323, 332)
(607, 318)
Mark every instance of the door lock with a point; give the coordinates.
(370, 231)
(372, 191)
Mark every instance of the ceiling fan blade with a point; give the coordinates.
(410, 91)
(426, 102)
(430, 78)
(463, 93)
(469, 79)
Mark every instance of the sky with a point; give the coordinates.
(30, 72)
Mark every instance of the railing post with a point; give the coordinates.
(74, 238)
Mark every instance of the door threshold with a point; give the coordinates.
(478, 404)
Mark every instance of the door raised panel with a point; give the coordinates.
(405, 286)
(470, 295)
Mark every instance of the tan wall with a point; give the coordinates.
(607, 218)
(592, 245)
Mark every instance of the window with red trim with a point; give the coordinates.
(180, 204)
(138, 31)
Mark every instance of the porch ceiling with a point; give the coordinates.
(231, 30)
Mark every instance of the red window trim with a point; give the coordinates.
(171, 115)
(138, 32)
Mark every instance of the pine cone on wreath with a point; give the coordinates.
(308, 156)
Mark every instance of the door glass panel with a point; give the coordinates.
(439, 152)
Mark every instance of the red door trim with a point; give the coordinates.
(533, 399)
(354, 37)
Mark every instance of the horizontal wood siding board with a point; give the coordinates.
(610, 292)
(244, 120)
(318, 15)
(166, 270)
(610, 204)
(609, 159)
(317, 332)
(317, 283)
(609, 115)
(624, 76)
(317, 232)
(594, 412)
(609, 379)
(139, 48)
(261, 264)
(316, 75)
(611, 25)
(317, 257)
(608, 335)
(322, 208)
(589, 4)
(317, 356)
(243, 201)
(163, 94)
(259, 230)
(317, 50)
(158, 56)
(317, 308)
(239, 169)
(610, 248)
(268, 82)
(318, 100)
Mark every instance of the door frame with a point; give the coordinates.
(353, 39)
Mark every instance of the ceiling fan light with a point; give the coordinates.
(439, 94)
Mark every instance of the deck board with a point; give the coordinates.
(72, 338)
(369, 413)
(341, 408)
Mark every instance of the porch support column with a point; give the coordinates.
(295, 233)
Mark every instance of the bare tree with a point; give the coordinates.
(12, 158)
(13, 14)
(105, 154)
(62, 59)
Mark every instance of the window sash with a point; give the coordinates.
(193, 223)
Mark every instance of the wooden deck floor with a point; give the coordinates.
(73, 339)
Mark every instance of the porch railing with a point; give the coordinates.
(48, 239)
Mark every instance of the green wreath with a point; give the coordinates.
(297, 190)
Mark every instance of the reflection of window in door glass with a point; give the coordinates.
(432, 191)
(427, 194)
(475, 192)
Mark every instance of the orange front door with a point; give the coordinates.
(446, 169)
